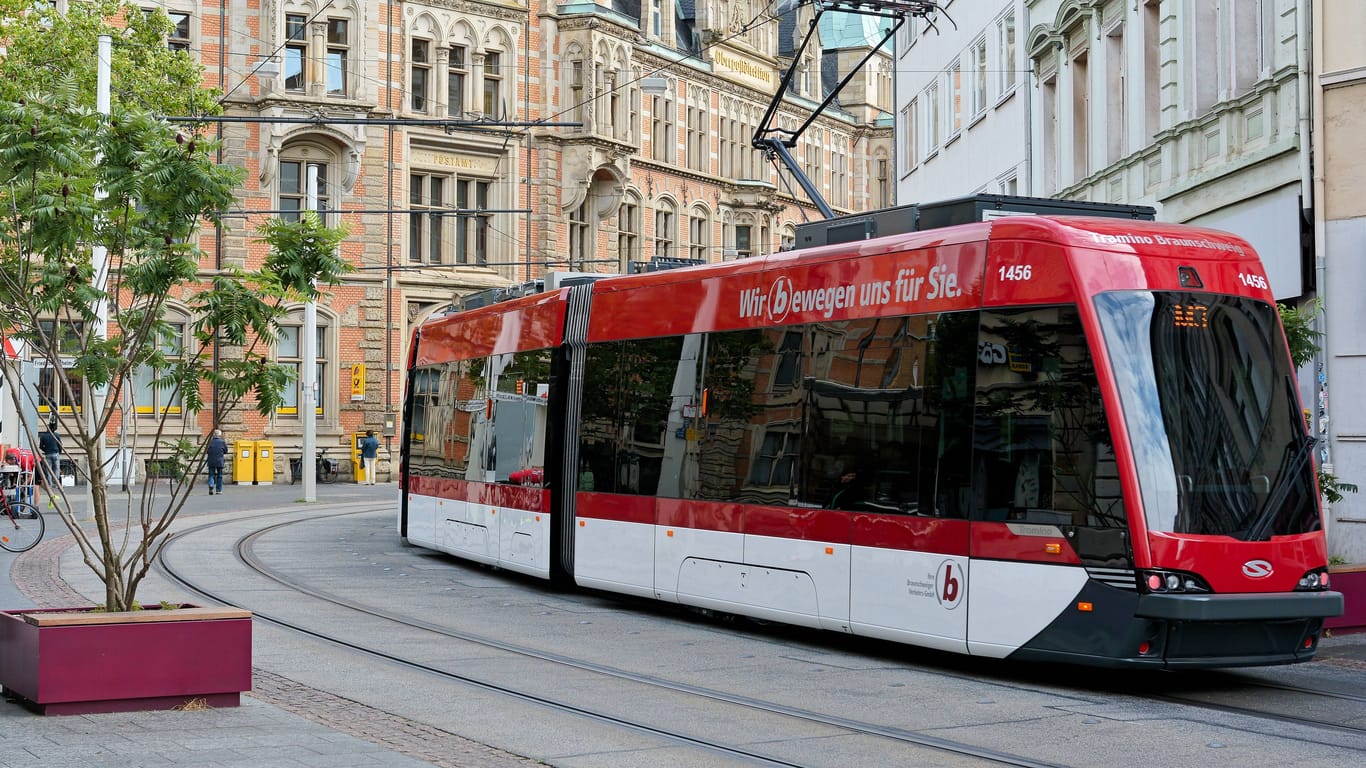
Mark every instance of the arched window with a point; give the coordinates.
(628, 231)
(581, 234)
(699, 234)
(296, 158)
(317, 49)
(665, 229)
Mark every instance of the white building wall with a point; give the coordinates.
(1223, 149)
(987, 153)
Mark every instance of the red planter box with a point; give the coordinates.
(1351, 582)
(63, 662)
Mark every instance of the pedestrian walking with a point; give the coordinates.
(50, 445)
(215, 452)
(369, 453)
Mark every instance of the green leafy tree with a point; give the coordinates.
(1303, 339)
(71, 179)
(45, 46)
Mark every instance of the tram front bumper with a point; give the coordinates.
(1240, 607)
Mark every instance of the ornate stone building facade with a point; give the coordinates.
(473, 144)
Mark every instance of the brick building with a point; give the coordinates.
(470, 145)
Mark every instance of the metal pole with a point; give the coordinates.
(99, 262)
(308, 410)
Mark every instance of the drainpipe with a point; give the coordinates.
(1310, 105)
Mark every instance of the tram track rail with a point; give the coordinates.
(244, 552)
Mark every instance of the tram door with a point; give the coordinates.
(1043, 469)
(886, 423)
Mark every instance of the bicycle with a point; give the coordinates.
(21, 524)
(325, 469)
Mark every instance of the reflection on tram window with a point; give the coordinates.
(886, 408)
(629, 391)
(1043, 452)
(744, 439)
(514, 451)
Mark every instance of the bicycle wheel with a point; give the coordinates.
(21, 526)
(326, 472)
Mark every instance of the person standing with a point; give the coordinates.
(50, 445)
(215, 452)
(369, 452)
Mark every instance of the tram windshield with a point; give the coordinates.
(1209, 399)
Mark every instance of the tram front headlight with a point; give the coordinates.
(1313, 581)
(1173, 582)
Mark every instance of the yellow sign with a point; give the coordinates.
(358, 382)
(473, 164)
(743, 69)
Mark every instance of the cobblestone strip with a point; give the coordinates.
(409, 737)
(37, 573)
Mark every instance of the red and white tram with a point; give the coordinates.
(1046, 438)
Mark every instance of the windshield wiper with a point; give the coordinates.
(1286, 480)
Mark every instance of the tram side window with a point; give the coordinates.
(1043, 452)
(422, 389)
(886, 408)
(628, 394)
(518, 416)
(463, 407)
(744, 446)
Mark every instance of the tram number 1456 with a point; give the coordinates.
(1017, 272)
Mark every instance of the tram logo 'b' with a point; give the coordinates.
(779, 299)
(1256, 569)
(949, 584)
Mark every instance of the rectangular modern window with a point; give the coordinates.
(910, 133)
(296, 52)
(931, 133)
(1005, 53)
(457, 73)
(422, 70)
(338, 49)
(978, 61)
(955, 81)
